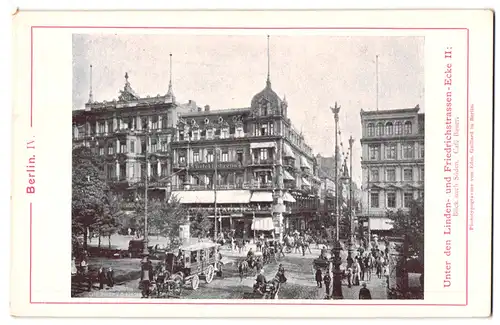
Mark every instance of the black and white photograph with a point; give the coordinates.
(247, 167)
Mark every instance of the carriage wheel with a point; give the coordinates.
(195, 282)
(209, 274)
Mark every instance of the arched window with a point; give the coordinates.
(398, 128)
(408, 127)
(379, 130)
(389, 128)
(370, 129)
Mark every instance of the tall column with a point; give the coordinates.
(158, 168)
(117, 150)
(149, 168)
(138, 122)
(159, 121)
(115, 123)
(96, 127)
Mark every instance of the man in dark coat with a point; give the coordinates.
(327, 279)
(319, 277)
(101, 274)
(260, 282)
(110, 277)
(364, 292)
(281, 273)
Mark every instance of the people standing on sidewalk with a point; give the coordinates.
(327, 279)
(101, 275)
(364, 292)
(110, 277)
(319, 277)
(356, 269)
(349, 277)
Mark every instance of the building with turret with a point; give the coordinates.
(247, 169)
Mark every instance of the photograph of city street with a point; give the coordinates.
(247, 166)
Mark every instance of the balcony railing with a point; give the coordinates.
(253, 208)
(263, 162)
(205, 138)
(211, 165)
(238, 186)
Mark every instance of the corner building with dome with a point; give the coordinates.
(247, 169)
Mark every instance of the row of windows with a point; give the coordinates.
(397, 128)
(159, 169)
(407, 151)
(262, 177)
(224, 155)
(130, 123)
(390, 175)
(119, 147)
(224, 133)
(391, 199)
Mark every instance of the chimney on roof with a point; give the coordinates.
(199, 109)
(207, 108)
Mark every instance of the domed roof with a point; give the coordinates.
(268, 95)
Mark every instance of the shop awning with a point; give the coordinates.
(189, 197)
(265, 224)
(380, 224)
(258, 145)
(287, 151)
(261, 197)
(304, 163)
(287, 176)
(287, 197)
(233, 197)
(305, 182)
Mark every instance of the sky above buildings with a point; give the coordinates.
(313, 72)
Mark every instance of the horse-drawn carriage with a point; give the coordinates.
(192, 262)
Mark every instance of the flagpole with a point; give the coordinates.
(376, 75)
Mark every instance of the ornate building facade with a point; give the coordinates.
(247, 169)
(393, 151)
(133, 135)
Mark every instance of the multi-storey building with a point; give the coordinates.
(124, 130)
(392, 163)
(246, 167)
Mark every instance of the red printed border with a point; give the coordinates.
(256, 303)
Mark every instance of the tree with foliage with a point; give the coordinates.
(201, 225)
(112, 217)
(410, 225)
(164, 217)
(89, 190)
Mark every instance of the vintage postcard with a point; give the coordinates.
(252, 164)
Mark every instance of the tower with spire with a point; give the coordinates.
(170, 97)
(267, 97)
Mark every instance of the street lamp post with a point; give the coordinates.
(335, 111)
(216, 180)
(146, 179)
(337, 273)
(351, 235)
